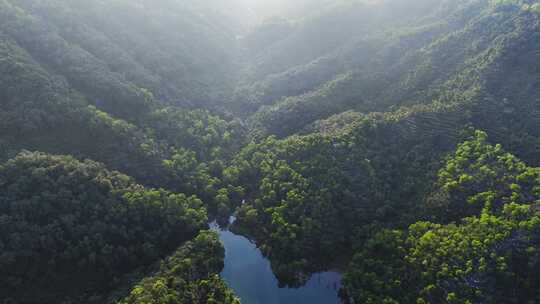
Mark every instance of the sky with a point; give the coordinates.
(269, 8)
(262, 9)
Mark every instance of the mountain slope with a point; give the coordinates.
(71, 229)
(104, 52)
(328, 190)
(487, 253)
(331, 138)
(416, 63)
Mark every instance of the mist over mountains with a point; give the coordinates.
(396, 141)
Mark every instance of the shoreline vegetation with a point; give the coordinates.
(397, 141)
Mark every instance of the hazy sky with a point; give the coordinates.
(251, 12)
(267, 8)
(262, 9)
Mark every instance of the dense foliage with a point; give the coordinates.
(41, 113)
(103, 50)
(71, 228)
(451, 54)
(329, 132)
(78, 78)
(189, 276)
(311, 196)
(487, 254)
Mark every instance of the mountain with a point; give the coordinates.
(71, 229)
(104, 52)
(89, 80)
(70, 86)
(397, 141)
(360, 153)
(482, 249)
(453, 48)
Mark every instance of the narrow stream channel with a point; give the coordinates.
(249, 274)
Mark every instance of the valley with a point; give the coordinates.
(395, 140)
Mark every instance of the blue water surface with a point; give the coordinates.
(249, 274)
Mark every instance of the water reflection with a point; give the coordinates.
(249, 274)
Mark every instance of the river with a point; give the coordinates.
(249, 274)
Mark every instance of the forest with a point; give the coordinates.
(396, 142)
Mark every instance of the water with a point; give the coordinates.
(249, 274)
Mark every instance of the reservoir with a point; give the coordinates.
(249, 274)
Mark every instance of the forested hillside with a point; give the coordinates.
(443, 55)
(71, 229)
(397, 141)
(482, 247)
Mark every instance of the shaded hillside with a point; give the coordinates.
(331, 137)
(43, 111)
(71, 229)
(352, 174)
(484, 251)
(195, 282)
(104, 52)
(432, 58)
